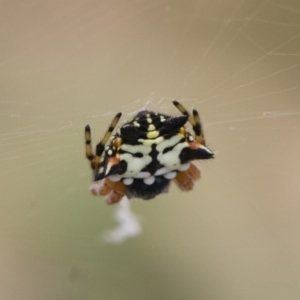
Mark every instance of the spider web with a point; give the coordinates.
(70, 64)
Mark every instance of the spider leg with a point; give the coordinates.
(113, 191)
(185, 179)
(88, 147)
(194, 120)
(199, 137)
(95, 159)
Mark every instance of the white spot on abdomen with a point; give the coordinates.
(115, 177)
(149, 180)
(161, 171)
(128, 181)
(170, 175)
(184, 167)
(143, 175)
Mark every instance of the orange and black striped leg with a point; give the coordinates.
(185, 179)
(95, 159)
(197, 127)
(88, 146)
(100, 147)
(194, 120)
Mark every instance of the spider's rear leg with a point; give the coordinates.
(185, 179)
(113, 190)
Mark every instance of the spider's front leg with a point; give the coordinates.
(88, 145)
(95, 159)
(194, 120)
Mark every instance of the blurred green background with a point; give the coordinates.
(65, 64)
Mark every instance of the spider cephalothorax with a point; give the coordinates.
(145, 154)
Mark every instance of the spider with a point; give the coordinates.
(146, 154)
